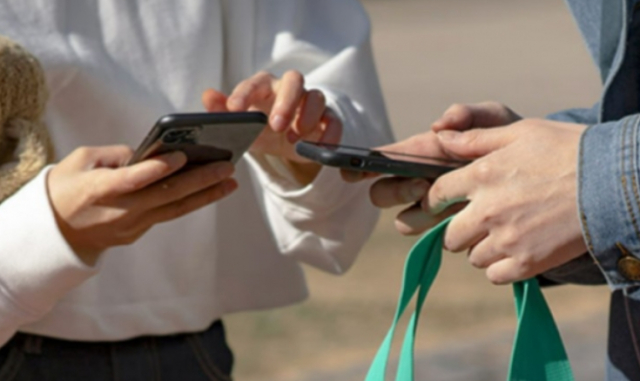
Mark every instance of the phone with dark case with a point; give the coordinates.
(203, 137)
(364, 159)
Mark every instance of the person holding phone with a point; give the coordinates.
(555, 198)
(111, 271)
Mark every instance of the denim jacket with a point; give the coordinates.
(609, 175)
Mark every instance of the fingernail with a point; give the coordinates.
(448, 135)
(292, 137)
(224, 169)
(418, 189)
(278, 123)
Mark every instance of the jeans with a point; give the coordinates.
(191, 356)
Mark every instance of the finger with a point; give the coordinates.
(392, 191)
(475, 143)
(84, 158)
(483, 254)
(425, 144)
(180, 186)
(288, 98)
(507, 270)
(310, 116)
(332, 127)
(465, 230)
(449, 189)
(124, 180)
(465, 116)
(411, 221)
(355, 176)
(214, 101)
(191, 203)
(252, 91)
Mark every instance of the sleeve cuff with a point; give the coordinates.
(37, 266)
(609, 196)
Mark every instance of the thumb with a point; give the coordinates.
(472, 144)
(214, 101)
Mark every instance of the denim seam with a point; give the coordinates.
(634, 165)
(212, 373)
(583, 216)
(624, 182)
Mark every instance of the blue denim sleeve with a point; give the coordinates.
(609, 198)
(578, 115)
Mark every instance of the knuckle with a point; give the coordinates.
(294, 76)
(263, 74)
(482, 171)
(318, 95)
(509, 239)
(459, 109)
(524, 264)
(83, 153)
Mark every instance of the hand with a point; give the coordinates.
(394, 191)
(99, 204)
(391, 191)
(522, 216)
(294, 113)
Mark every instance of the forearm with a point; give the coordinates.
(37, 266)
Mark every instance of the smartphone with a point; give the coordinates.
(203, 137)
(364, 159)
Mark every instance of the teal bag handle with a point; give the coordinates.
(538, 353)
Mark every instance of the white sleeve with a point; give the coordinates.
(37, 266)
(326, 223)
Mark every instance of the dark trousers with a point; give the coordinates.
(193, 356)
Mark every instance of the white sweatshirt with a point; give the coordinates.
(114, 67)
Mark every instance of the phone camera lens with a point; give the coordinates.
(173, 137)
(356, 162)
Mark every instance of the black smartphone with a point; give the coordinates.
(364, 159)
(203, 137)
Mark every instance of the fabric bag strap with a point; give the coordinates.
(538, 352)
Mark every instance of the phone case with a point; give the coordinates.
(373, 161)
(203, 137)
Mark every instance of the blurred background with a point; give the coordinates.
(430, 54)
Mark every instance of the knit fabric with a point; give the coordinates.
(25, 147)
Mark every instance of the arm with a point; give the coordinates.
(608, 196)
(326, 222)
(54, 229)
(37, 266)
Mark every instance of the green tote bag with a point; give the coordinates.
(538, 353)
